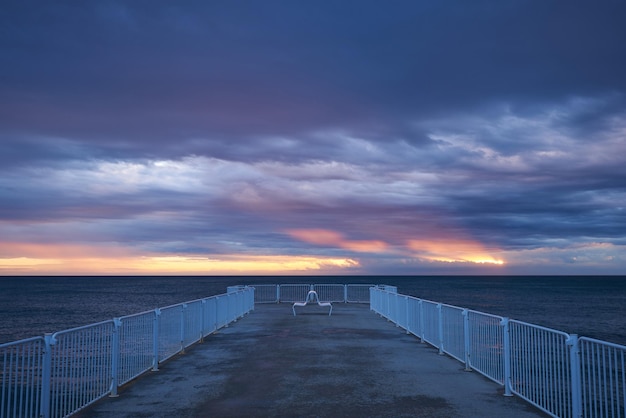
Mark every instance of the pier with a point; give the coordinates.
(374, 353)
(272, 364)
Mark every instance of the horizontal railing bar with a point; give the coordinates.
(84, 327)
(189, 301)
(485, 314)
(25, 340)
(556, 331)
(606, 343)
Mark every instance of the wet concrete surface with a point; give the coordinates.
(274, 364)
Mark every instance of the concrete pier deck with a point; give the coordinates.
(274, 364)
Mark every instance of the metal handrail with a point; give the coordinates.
(62, 373)
(562, 374)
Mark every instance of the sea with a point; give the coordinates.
(591, 306)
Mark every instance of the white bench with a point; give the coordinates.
(312, 297)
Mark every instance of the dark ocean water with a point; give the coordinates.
(593, 306)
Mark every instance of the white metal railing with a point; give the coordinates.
(22, 376)
(430, 313)
(329, 292)
(293, 292)
(82, 367)
(61, 373)
(486, 345)
(266, 293)
(137, 342)
(540, 365)
(602, 378)
(358, 293)
(290, 293)
(562, 374)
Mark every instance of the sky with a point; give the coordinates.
(313, 137)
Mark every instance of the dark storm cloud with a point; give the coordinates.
(132, 75)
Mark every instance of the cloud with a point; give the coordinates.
(395, 137)
(335, 239)
(134, 76)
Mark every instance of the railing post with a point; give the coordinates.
(235, 303)
(183, 308)
(577, 405)
(115, 357)
(203, 320)
(440, 327)
(277, 293)
(466, 340)
(218, 311)
(393, 309)
(375, 301)
(506, 358)
(345, 293)
(155, 339)
(406, 301)
(420, 308)
(228, 302)
(46, 376)
(212, 315)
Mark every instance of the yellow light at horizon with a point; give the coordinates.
(27, 262)
(458, 260)
(499, 262)
(243, 264)
(159, 264)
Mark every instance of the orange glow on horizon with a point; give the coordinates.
(453, 251)
(442, 250)
(330, 238)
